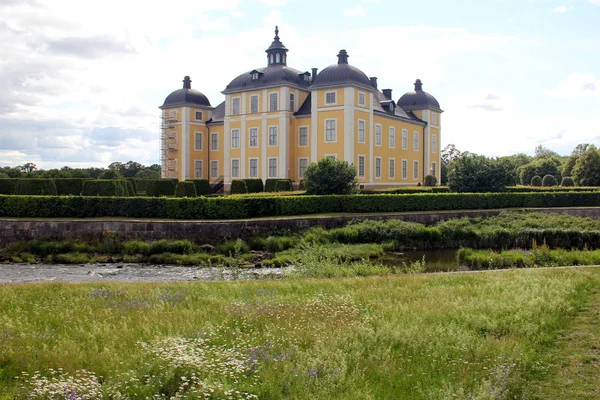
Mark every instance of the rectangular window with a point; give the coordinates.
(330, 133)
(361, 131)
(434, 118)
(172, 116)
(330, 98)
(361, 166)
(415, 170)
(361, 99)
(404, 169)
(302, 165)
(214, 141)
(235, 168)
(433, 169)
(214, 168)
(292, 102)
(253, 167)
(235, 138)
(303, 136)
(416, 141)
(254, 104)
(393, 137)
(253, 137)
(392, 168)
(377, 135)
(330, 156)
(198, 169)
(199, 115)
(272, 167)
(433, 143)
(404, 139)
(272, 101)
(198, 141)
(235, 106)
(272, 136)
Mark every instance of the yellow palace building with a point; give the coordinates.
(276, 120)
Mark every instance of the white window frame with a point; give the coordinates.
(235, 143)
(377, 167)
(239, 103)
(233, 174)
(392, 137)
(334, 140)
(300, 171)
(333, 156)
(327, 102)
(214, 135)
(415, 169)
(196, 115)
(214, 163)
(364, 168)
(196, 141)
(404, 139)
(300, 128)
(364, 98)
(252, 110)
(434, 118)
(292, 102)
(415, 141)
(362, 135)
(434, 168)
(391, 168)
(271, 143)
(255, 76)
(250, 137)
(378, 129)
(269, 167)
(433, 143)
(196, 164)
(271, 108)
(404, 169)
(250, 174)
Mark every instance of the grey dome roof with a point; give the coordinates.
(341, 73)
(418, 99)
(186, 95)
(272, 75)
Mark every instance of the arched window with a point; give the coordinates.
(271, 58)
(277, 58)
(284, 58)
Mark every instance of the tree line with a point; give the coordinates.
(115, 170)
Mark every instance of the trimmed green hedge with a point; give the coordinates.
(35, 187)
(238, 186)
(185, 189)
(254, 185)
(160, 187)
(252, 207)
(271, 185)
(69, 186)
(133, 187)
(104, 187)
(408, 190)
(284, 185)
(8, 185)
(202, 186)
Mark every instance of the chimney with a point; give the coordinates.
(373, 80)
(387, 93)
(343, 57)
(187, 82)
(314, 73)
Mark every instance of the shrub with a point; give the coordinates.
(7, 186)
(302, 184)
(185, 189)
(202, 186)
(549, 180)
(330, 176)
(284, 185)
(133, 185)
(429, 181)
(567, 181)
(271, 185)
(536, 181)
(35, 187)
(111, 174)
(238, 186)
(254, 185)
(473, 173)
(103, 187)
(69, 186)
(160, 187)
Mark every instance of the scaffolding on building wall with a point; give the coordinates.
(168, 144)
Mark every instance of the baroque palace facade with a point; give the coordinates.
(277, 120)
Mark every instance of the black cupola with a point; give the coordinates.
(277, 52)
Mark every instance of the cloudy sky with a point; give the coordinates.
(80, 81)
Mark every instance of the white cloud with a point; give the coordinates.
(560, 9)
(575, 86)
(357, 11)
(276, 3)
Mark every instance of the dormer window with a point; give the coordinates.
(306, 77)
(255, 76)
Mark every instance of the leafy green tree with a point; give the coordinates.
(511, 165)
(474, 173)
(330, 176)
(111, 174)
(448, 154)
(541, 167)
(147, 173)
(587, 168)
(544, 152)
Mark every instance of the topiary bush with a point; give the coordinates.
(330, 176)
(255, 185)
(202, 186)
(238, 186)
(160, 187)
(536, 181)
(35, 187)
(549, 180)
(567, 181)
(7, 186)
(69, 186)
(129, 190)
(284, 185)
(103, 187)
(430, 180)
(271, 185)
(185, 189)
(133, 182)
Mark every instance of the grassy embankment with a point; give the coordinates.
(468, 336)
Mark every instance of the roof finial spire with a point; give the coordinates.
(276, 32)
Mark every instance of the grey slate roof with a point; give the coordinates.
(418, 99)
(305, 107)
(398, 112)
(272, 75)
(218, 114)
(186, 96)
(340, 74)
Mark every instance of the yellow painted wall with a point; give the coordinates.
(339, 97)
(356, 103)
(362, 148)
(325, 148)
(198, 154)
(295, 151)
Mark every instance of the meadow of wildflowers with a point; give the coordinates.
(468, 336)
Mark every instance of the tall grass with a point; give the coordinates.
(410, 337)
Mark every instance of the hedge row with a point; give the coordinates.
(251, 207)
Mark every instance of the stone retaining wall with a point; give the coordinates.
(217, 231)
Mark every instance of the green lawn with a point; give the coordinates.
(493, 335)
